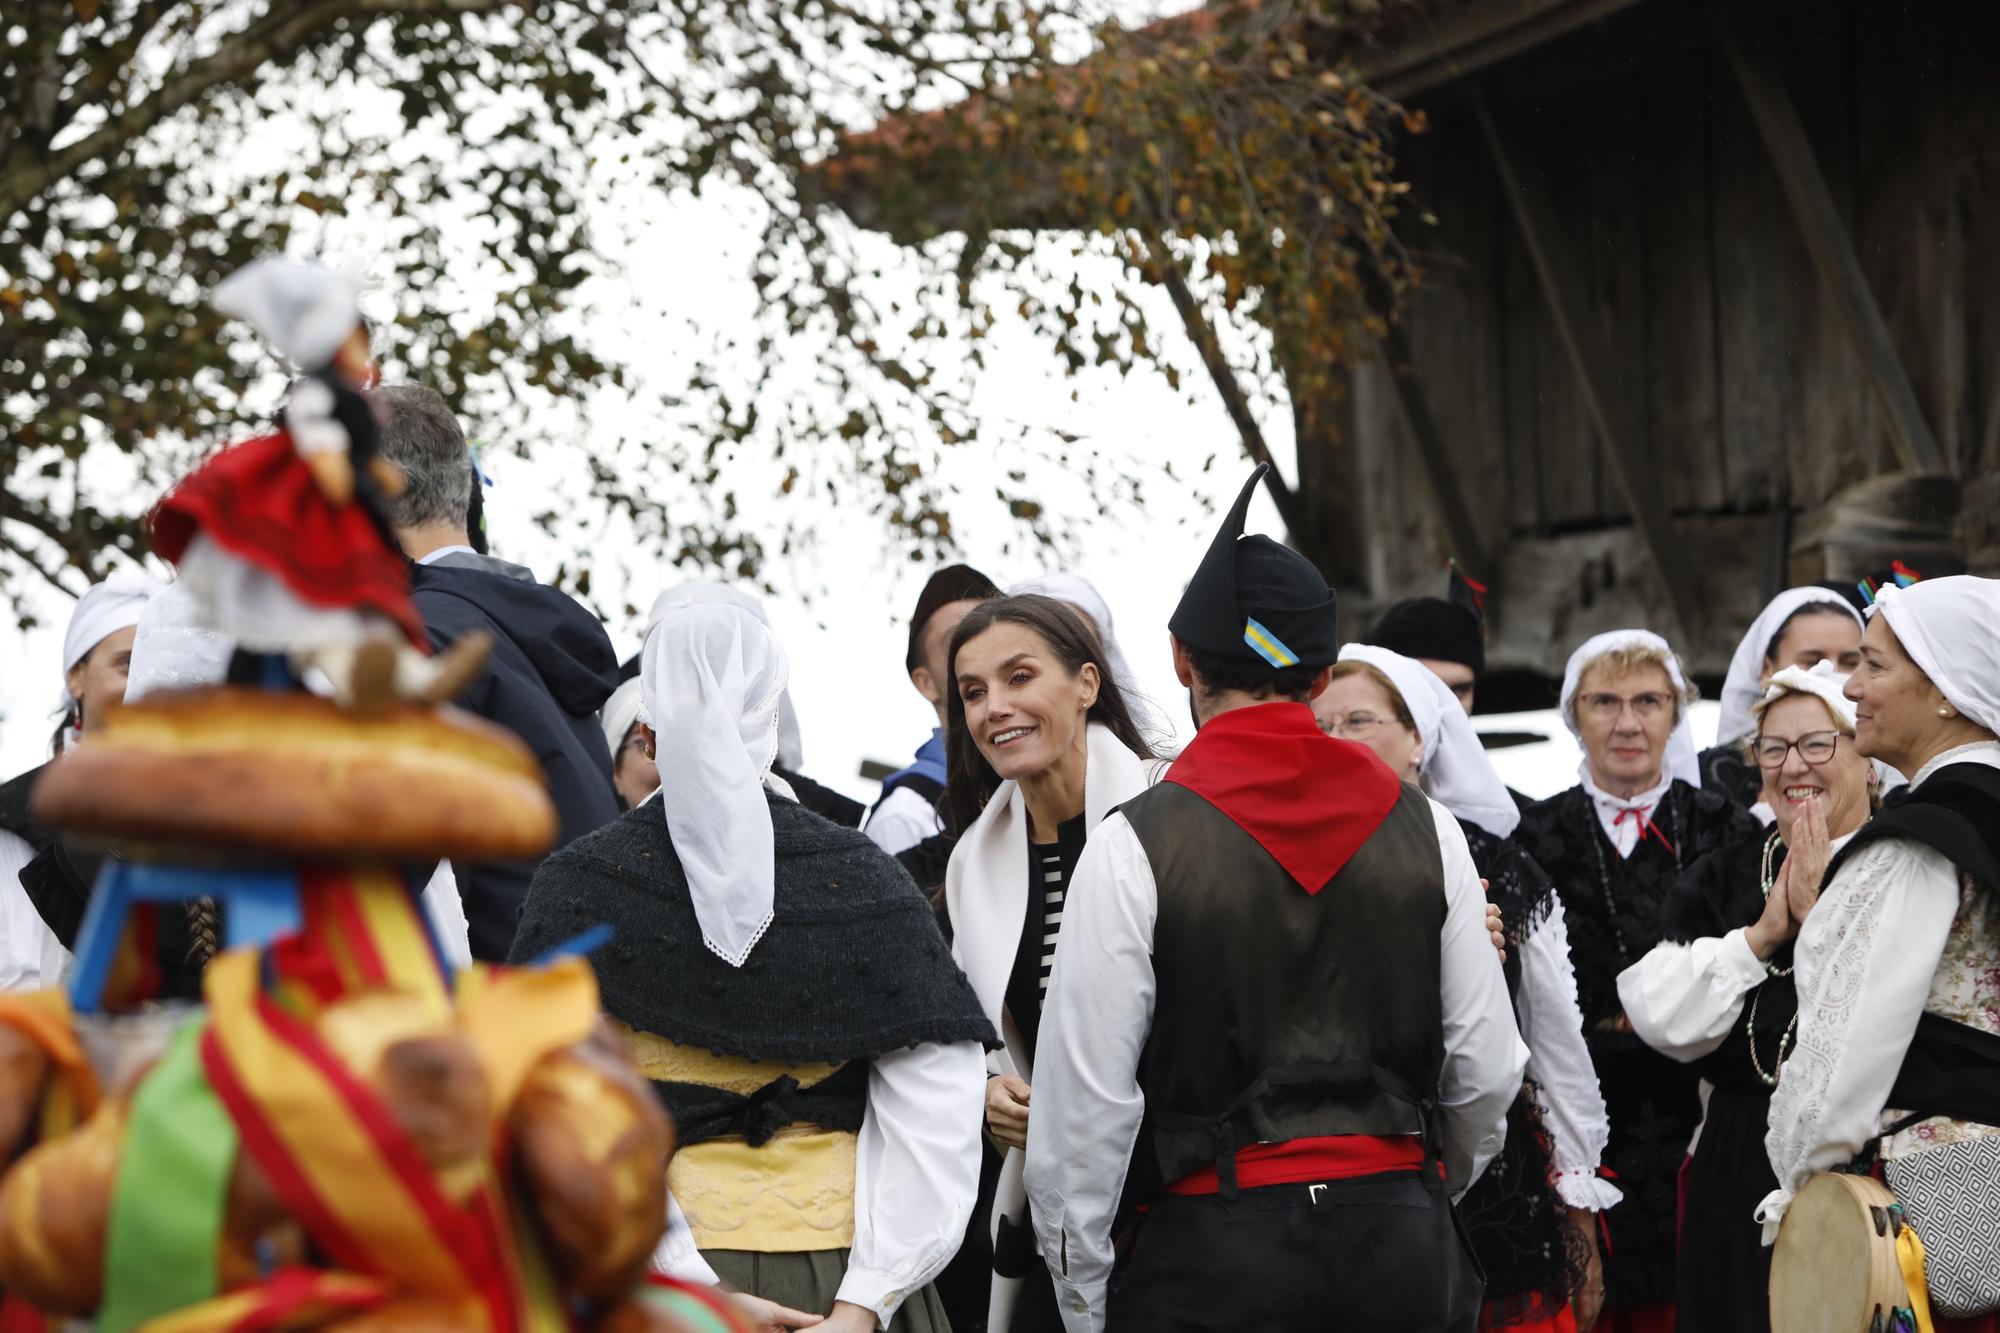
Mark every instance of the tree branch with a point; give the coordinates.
(1234, 400)
(283, 31)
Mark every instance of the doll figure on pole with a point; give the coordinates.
(284, 541)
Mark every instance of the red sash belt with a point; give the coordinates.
(1304, 1161)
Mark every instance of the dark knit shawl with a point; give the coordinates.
(851, 967)
(1956, 812)
(1515, 884)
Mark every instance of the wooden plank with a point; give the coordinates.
(1826, 240)
(1583, 338)
(1760, 278)
(1612, 250)
(1452, 346)
(1685, 409)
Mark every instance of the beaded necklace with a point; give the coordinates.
(1770, 1079)
(1597, 841)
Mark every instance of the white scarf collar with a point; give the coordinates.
(1624, 820)
(986, 883)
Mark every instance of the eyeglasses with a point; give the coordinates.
(1353, 726)
(1646, 707)
(1815, 747)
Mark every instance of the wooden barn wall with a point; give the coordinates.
(1750, 401)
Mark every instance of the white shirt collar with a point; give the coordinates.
(1978, 752)
(1623, 819)
(443, 551)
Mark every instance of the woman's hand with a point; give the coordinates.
(771, 1317)
(1007, 1111)
(1493, 925)
(1588, 1298)
(1776, 926)
(1809, 849)
(848, 1318)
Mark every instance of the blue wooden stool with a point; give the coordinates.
(258, 905)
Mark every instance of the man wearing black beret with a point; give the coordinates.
(1275, 999)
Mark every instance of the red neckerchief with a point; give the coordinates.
(1308, 799)
(1647, 828)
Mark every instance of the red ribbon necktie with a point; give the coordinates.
(1647, 828)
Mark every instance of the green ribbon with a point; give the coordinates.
(172, 1188)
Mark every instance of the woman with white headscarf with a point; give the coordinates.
(1614, 844)
(1903, 949)
(38, 868)
(814, 796)
(784, 985)
(1801, 627)
(1717, 992)
(1532, 1216)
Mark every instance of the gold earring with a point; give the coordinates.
(1944, 712)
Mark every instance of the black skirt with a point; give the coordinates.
(1725, 1268)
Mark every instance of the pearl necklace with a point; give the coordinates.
(1768, 1079)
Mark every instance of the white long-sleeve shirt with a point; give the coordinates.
(1099, 1009)
(1683, 998)
(31, 957)
(1867, 956)
(916, 1175)
(1559, 1063)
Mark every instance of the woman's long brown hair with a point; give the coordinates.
(971, 781)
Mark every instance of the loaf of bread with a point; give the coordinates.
(428, 1075)
(55, 1207)
(24, 1068)
(263, 771)
(591, 1142)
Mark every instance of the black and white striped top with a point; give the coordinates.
(1053, 878)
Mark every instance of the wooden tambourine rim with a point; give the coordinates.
(1834, 1265)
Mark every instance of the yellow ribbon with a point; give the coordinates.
(1910, 1254)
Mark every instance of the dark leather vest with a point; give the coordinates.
(1281, 1014)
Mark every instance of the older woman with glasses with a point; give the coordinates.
(1614, 844)
(1532, 1216)
(1717, 991)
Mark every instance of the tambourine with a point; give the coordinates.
(1836, 1267)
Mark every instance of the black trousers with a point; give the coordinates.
(1375, 1252)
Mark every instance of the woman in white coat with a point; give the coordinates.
(1042, 746)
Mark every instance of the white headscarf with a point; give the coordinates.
(103, 610)
(703, 592)
(305, 310)
(711, 678)
(1743, 686)
(620, 711)
(1822, 682)
(1456, 772)
(1950, 627)
(1680, 760)
(1077, 591)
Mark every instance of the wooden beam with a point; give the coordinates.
(1832, 253)
(1587, 343)
(1472, 37)
(1432, 451)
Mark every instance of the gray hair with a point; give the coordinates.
(421, 436)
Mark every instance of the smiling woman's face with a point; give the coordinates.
(1838, 783)
(1022, 707)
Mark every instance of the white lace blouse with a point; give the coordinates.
(1886, 941)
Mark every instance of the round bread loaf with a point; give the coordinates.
(238, 770)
